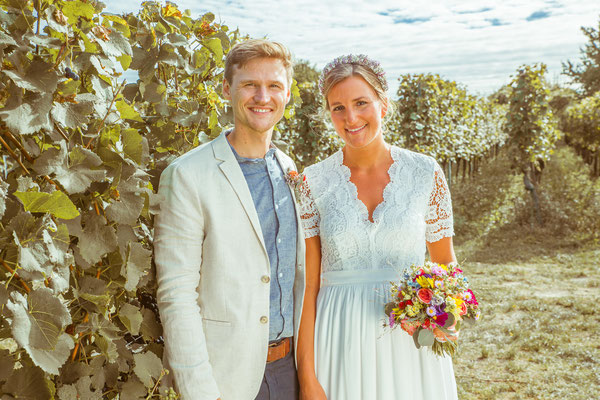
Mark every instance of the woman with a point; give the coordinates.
(370, 211)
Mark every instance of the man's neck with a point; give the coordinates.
(250, 144)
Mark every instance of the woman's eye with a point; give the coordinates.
(361, 102)
(338, 108)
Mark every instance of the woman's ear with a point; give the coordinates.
(384, 109)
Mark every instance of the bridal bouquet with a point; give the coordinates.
(430, 302)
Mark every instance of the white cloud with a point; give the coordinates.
(478, 43)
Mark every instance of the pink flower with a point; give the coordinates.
(425, 295)
(410, 328)
(472, 300)
(441, 319)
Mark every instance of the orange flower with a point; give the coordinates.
(425, 295)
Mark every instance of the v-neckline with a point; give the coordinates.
(373, 218)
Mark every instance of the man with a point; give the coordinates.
(229, 249)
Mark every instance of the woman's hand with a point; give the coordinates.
(312, 391)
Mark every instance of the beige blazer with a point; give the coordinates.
(211, 267)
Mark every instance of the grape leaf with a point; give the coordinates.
(116, 45)
(3, 194)
(127, 111)
(150, 329)
(45, 254)
(131, 317)
(93, 294)
(74, 172)
(133, 389)
(74, 9)
(73, 115)
(28, 383)
(80, 390)
(7, 364)
(127, 208)
(147, 367)
(214, 45)
(27, 114)
(40, 77)
(136, 265)
(38, 322)
(57, 203)
(97, 238)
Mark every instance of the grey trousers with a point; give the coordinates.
(280, 381)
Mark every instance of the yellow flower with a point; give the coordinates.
(458, 302)
(425, 282)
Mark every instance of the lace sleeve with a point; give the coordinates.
(439, 210)
(309, 213)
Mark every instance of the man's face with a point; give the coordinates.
(258, 94)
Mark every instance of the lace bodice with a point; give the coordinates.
(416, 207)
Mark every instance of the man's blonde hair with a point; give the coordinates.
(250, 49)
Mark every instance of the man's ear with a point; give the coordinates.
(288, 96)
(226, 89)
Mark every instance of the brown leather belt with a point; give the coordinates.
(279, 350)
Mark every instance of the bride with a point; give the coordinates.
(370, 211)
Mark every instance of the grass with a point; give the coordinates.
(539, 334)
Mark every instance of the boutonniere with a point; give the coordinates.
(297, 182)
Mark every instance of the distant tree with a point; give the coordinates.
(440, 118)
(531, 127)
(306, 133)
(581, 124)
(588, 72)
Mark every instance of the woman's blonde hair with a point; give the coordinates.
(250, 49)
(345, 70)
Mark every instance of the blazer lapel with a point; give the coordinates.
(232, 171)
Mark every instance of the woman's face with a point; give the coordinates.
(356, 111)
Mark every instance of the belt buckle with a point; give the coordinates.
(275, 344)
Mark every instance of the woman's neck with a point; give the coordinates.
(370, 156)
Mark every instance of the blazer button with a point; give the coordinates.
(265, 278)
(264, 320)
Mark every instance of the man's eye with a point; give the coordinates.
(276, 85)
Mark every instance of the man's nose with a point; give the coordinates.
(261, 95)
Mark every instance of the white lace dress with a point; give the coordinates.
(355, 357)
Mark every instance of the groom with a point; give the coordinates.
(228, 246)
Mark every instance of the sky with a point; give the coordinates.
(478, 43)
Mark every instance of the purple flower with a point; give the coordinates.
(392, 319)
(431, 311)
(440, 309)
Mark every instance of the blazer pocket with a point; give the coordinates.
(215, 322)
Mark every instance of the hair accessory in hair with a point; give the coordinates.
(360, 59)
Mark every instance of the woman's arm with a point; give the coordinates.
(442, 251)
(309, 386)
